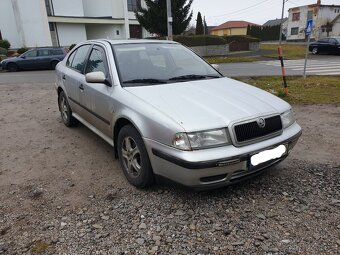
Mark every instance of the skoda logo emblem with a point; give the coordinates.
(261, 122)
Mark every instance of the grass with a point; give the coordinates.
(217, 60)
(290, 51)
(312, 90)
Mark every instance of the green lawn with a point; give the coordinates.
(290, 51)
(312, 90)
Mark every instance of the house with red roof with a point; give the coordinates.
(234, 27)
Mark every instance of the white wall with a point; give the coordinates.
(98, 8)
(24, 28)
(117, 8)
(68, 7)
(71, 33)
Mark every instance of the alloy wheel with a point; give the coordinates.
(131, 157)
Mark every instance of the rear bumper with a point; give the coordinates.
(216, 167)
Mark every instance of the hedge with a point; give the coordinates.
(196, 40)
(3, 51)
(5, 44)
(240, 38)
(22, 50)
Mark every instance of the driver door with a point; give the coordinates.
(96, 97)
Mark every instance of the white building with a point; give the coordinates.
(36, 23)
(326, 21)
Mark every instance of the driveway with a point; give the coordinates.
(316, 65)
(62, 191)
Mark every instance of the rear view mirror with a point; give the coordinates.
(217, 67)
(95, 77)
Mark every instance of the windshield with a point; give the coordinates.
(159, 63)
(338, 39)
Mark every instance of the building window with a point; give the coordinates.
(48, 7)
(117, 32)
(51, 26)
(309, 15)
(133, 5)
(294, 31)
(296, 16)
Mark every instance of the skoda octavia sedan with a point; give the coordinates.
(169, 113)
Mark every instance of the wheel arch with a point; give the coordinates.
(119, 124)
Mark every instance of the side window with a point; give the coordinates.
(332, 41)
(96, 61)
(31, 54)
(70, 58)
(56, 52)
(79, 59)
(43, 53)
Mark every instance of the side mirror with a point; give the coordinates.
(97, 77)
(217, 67)
(23, 57)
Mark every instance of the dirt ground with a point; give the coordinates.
(51, 174)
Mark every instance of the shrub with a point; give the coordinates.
(240, 38)
(22, 50)
(3, 51)
(5, 44)
(72, 46)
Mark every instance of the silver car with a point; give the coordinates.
(169, 113)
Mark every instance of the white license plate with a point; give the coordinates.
(268, 155)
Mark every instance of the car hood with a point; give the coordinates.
(10, 59)
(209, 104)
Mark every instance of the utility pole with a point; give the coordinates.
(283, 71)
(169, 19)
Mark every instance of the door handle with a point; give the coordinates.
(64, 77)
(81, 87)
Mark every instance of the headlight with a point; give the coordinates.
(202, 139)
(287, 118)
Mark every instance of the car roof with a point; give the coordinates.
(133, 41)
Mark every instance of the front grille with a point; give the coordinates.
(251, 130)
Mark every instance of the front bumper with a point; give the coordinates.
(217, 167)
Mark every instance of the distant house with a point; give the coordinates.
(326, 21)
(232, 28)
(32, 23)
(274, 22)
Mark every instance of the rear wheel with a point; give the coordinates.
(54, 64)
(133, 157)
(315, 51)
(12, 67)
(65, 110)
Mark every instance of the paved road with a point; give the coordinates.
(317, 65)
(46, 76)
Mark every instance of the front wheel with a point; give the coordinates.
(315, 51)
(133, 157)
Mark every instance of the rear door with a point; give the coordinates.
(43, 58)
(73, 77)
(333, 45)
(96, 97)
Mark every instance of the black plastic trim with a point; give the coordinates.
(93, 113)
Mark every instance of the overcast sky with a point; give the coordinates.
(256, 11)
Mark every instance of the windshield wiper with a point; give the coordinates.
(148, 81)
(193, 77)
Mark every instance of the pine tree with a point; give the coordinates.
(199, 24)
(154, 17)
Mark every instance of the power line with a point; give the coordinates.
(241, 10)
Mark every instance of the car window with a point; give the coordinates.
(332, 41)
(56, 52)
(43, 53)
(96, 61)
(183, 59)
(79, 61)
(70, 58)
(31, 54)
(324, 40)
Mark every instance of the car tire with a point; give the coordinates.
(54, 64)
(12, 67)
(315, 50)
(65, 111)
(133, 157)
